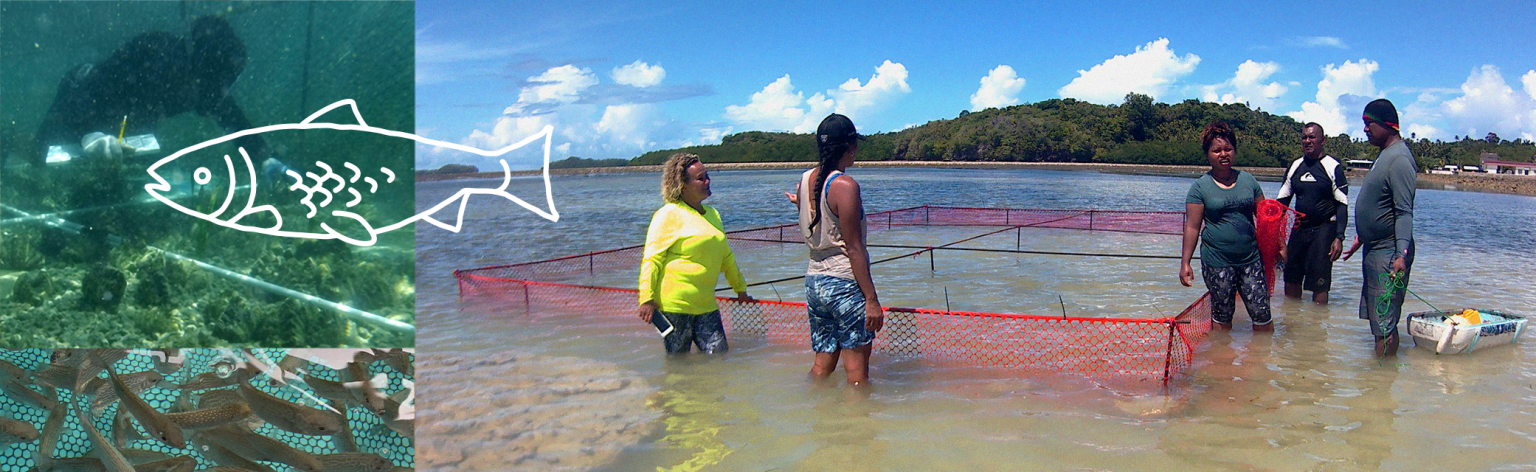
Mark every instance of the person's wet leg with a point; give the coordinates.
(857, 366)
(823, 365)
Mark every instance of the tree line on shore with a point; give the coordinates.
(1136, 131)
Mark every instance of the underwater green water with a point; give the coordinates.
(104, 270)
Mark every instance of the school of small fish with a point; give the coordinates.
(215, 415)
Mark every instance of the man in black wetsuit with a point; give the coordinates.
(1317, 181)
(154, 76)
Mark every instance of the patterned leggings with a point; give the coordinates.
(706, 330)
(1247, 280)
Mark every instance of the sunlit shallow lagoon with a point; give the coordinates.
(596, 391)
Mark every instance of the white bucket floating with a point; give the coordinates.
(1459, 332)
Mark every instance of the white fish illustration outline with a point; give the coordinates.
(462, 196)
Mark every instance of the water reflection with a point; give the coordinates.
(1308, 397)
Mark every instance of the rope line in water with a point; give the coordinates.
(1393, 284)
(350, 312)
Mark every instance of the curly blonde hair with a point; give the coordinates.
(674, 174)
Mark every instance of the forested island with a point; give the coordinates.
(1137, 131)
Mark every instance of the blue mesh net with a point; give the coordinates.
(368, 430)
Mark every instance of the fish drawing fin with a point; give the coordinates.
(367, 229)
(462, 196)
(349, 103)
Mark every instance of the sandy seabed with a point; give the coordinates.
(503, 412)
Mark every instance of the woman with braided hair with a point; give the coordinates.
(840, 295)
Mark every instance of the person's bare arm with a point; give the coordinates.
(849, 207)
(1193, 215)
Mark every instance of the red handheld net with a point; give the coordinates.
(1274, 221)
(1138, 349)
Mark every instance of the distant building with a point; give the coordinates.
(1358, 163)
(1517, 168)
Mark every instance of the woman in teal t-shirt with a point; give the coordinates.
(1219, 214)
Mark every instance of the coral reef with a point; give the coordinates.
(103, 288)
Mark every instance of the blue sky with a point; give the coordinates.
(617, 79)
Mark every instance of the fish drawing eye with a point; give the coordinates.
(202, 176)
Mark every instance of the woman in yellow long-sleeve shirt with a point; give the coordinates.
(685, 252)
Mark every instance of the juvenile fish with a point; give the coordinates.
(57, 376)
(344, 440)
(92, 464)
(217, 398)
(69, 356)
(360, 382)
(405, 428)
(10, 373)
(96, 361)
(293, 364)
(260, 448)
(105, 394)
(174, 464)
(399, 360)
(73, 464)
(14, 431)
(53, 428)
(391, 409)
(21, 393)
(110, 457)
(210, 417)
(354, 462)
(288, 415)
(123, 430)
(226, 458)
(330, 390)
(151, 419)
(207, 380)
(141, 456)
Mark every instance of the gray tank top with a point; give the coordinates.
(828, 255)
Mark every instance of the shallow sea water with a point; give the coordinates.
(595, 391)
(91, 260)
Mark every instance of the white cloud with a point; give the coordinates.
(710, 135)
(1150, 71)
(1529, 79)
(1247, 86)
(558, 85)
(1349, 78)
(1350, 82)
(1423, 111)
(1000, 88)
(440, 61)
(508, 130)
(639, 74)
(1423, 131)
(1488, 104)
(622, 126)
(628, 127)
(779, 107)
(888, 84)
(1322, 41)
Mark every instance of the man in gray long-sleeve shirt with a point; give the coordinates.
(1384, 223)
